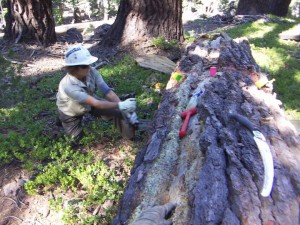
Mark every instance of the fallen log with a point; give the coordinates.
(62, 29)
(155, 62)
(291, 34)
(215, 174)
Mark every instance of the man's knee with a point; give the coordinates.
(126, 130)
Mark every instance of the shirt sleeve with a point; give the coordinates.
(100, 83)
(77, 95)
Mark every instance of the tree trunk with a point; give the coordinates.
(106, 9)
(30, 19)
(142, 20)
(103, 6)
(77, 15)
(215, 173)
(250, 7)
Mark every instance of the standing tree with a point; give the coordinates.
(103, 8)
(30, 19)
(143, 20)
(254, 7)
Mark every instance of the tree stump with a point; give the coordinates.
(215, 173)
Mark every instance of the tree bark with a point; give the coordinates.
(143, 20)
(215, 173)
(30, 19)
(277, 7)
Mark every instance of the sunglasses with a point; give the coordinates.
(84, 66)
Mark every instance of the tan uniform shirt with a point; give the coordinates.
(72, 92)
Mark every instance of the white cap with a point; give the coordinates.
(79, 55)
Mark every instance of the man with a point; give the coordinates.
(76, 96)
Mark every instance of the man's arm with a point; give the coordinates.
(111, 96)
(101, 104)
(128, 105)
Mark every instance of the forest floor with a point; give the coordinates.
(18, 208)
(15, 206)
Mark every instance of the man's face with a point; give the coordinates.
(83, 70)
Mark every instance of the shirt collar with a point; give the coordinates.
(75, 81)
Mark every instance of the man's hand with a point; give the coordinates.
(155, 215)
(127, 106)
(132, 117)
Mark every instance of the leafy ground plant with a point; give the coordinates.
(95, 174)
(163, 43)
(279, 58)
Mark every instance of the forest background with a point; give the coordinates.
(84, 186)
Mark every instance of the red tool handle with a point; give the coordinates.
(183, 129)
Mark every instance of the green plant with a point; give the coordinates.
(190, 36)
(56, 204)
(57, 15)
(127, 77)
(164, 44)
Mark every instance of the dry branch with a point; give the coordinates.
(79, 26)
(11, 200)
(14, 217)
(11, 61)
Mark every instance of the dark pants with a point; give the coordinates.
(73, 124)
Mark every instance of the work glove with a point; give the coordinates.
(127, 106)
(132, 117)
(155, 215)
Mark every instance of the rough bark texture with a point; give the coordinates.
(250, 7)
(143, 20)
(215, 173)
(30, 19)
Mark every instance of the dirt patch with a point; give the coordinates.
(16, 206)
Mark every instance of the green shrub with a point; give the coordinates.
(162, 43)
